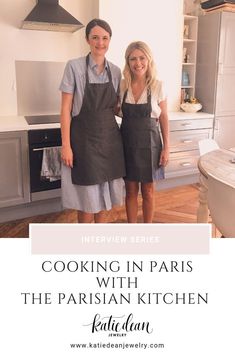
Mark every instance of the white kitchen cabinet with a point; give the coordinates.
(186, 130)
(188, 140)
(182, 163)
(216, 73)
(189, 123)
(14, 171)
(224, 131)
(189, 57)
(184, 151)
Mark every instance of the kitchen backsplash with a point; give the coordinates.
(37, 84)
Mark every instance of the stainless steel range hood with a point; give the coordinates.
(48, 15)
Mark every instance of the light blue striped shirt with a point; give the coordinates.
(74, 79)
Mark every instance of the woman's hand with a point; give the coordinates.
(67, 156)
(164, 157)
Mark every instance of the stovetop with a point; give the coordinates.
(42, 119)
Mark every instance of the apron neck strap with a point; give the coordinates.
(148, 96)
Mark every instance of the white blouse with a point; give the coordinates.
(157, 96)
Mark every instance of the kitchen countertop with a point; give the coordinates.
(183, 115)
(18, 123)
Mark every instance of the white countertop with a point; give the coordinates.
(18, 123)
(183, 115)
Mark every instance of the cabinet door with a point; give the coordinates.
(225, 102)
(207, 60)
(14, 171)
(225, 131)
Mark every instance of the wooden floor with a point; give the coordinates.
(178, 205)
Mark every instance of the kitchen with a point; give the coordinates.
(45, 47)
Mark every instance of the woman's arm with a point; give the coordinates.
(120, 98)
(164, 124)
(66, 107)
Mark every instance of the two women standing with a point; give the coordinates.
(92, 149)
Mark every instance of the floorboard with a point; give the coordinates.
(177, 205)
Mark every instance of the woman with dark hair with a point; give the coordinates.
(92, 151)
(144, 107)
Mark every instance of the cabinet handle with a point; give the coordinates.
(39, 149)
(187, 141)
(43, 148)
(186, 124)
(185, 164)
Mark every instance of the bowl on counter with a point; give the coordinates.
(191, 107)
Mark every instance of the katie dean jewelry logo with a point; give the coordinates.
(118, 325)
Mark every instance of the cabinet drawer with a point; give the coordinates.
(182, 163)
(191, 124)
(187, 140)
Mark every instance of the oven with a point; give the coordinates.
(42, 188)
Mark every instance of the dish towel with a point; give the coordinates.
(51, 163)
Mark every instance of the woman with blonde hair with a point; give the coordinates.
(143, 108)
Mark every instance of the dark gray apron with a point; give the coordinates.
(141, 140)
(95, 136)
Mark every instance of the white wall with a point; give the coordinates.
(158, 23)
(18, 44)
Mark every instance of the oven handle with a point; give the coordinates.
(42, 148)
